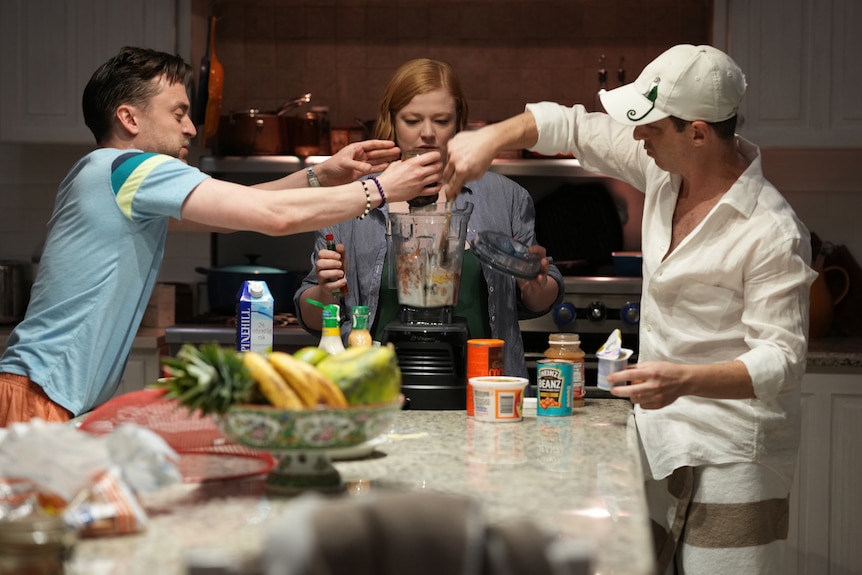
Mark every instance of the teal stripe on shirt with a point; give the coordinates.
(128, 173)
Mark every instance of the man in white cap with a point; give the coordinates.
(724, 310)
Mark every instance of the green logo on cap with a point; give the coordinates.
(650, 95)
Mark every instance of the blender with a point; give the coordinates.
(430, 341)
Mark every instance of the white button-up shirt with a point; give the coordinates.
(736, 288)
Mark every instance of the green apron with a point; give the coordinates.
(472, 301)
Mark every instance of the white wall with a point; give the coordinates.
(825, 189)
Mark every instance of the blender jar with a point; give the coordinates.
(426, 256)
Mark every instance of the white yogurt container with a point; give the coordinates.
(608, 366)
(498, 398)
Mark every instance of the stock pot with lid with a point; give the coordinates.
(224, 282)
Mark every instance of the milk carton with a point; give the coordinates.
(254, 313)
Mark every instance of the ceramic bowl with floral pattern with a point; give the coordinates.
(273, 429)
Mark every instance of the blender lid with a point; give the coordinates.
(506, 254)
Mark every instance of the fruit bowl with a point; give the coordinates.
(300, 439)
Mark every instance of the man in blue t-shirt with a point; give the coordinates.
(107, 234)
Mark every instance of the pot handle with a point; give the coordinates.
(846, 276)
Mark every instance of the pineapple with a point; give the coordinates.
(209, 378)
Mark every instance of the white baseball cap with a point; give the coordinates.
(689, 82)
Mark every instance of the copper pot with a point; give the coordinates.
(250, 133)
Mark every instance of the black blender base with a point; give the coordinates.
(433, 397)
(432, 359)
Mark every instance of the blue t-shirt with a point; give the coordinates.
(102, 254)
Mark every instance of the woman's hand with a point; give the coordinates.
(538, 294)
(329, 269)
(357, 160)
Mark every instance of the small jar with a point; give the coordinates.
(37, 545)
(567, 346)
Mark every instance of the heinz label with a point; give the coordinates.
(255, 309)
(554, 386)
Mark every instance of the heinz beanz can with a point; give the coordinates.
(554, 386)
(484, 357)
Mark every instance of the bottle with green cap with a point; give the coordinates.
(330, 339)
(359, 335)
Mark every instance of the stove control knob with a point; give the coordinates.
(631, 313)
(597, 311)
(564, 314)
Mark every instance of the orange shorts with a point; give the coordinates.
(21, 400)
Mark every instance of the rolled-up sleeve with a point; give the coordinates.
(776, 317)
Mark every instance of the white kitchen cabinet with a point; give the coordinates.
(142, 369)
(826, 502)
(50, 48)
(801, 61)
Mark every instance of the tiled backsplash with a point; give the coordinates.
(506, 52)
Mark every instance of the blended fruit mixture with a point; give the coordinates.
(422, 283)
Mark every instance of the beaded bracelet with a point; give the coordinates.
(367, 201)
(379, 189)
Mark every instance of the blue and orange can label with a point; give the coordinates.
(554, 386)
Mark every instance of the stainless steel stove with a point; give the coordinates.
(592, 308)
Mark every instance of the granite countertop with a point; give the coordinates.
(574, 475)
(830, 352)
(835, 352)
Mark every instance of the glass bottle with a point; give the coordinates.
(568, 346)
(330, 338)
(359, 335)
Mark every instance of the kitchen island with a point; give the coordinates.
(577, 476)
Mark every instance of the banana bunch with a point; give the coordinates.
(211, 378)
(291, 383)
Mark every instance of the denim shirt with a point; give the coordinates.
(499, 204)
